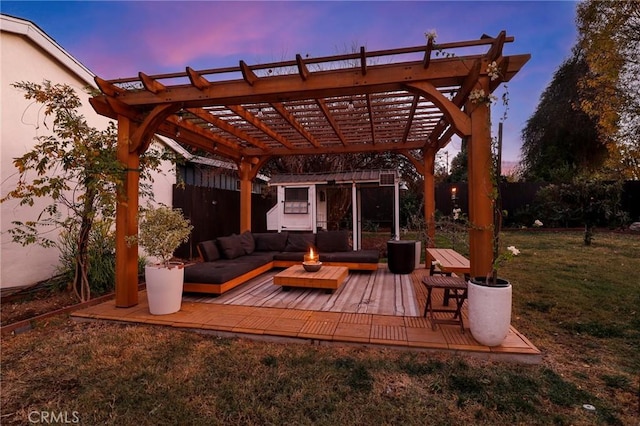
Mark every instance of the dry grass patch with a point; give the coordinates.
(123, 374)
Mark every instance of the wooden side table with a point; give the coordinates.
(457, 288)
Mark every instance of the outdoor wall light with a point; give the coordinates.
(260, 113)
(351, 106)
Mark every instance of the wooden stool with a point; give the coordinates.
(457, 289)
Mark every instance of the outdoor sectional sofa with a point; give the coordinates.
(232, 260)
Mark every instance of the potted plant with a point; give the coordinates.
(489, 303)
(162, 230)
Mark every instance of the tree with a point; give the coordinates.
(609, 37)
(560, 140)
(77, 169)
(459, 165)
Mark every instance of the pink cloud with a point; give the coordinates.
(182, 35)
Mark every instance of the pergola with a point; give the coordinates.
(408, 100)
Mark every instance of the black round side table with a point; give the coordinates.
(401, 256)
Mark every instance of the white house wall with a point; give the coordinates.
(28, 55)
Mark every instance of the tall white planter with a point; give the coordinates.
(489, 311)
(164, 288)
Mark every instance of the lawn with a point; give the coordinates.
(580, 305)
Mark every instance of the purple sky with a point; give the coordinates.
(119, 39)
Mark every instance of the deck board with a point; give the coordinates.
(379, 292)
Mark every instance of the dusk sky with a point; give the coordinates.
(119, 39)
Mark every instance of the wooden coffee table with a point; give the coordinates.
(329, 278)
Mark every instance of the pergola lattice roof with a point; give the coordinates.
(391, 100)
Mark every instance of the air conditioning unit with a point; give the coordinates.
(387, 179)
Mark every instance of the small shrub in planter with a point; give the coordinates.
(162, 230)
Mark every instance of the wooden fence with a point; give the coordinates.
(215, 213)
(517, 196)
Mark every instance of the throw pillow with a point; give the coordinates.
(209, 251)
(328, 242)
(300, 242)
(270, 241)
(247, 242)
(231, 246)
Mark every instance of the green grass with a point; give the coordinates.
(580, 305)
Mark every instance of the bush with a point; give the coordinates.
(587, 203)
(101, 271)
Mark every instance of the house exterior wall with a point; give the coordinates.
(29, 55)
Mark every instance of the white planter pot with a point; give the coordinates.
(489, 311)
(418, 253)
(164, 288)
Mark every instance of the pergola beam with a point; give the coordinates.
(223, 125)
(302, 68)
(332, 122)
(342, 82)
(247, 73)
(295, 123)
(197, 80)
(339, 149)
(371, 119)
(260, 125)
(152, 85)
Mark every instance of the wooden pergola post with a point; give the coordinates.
(246, 175)
(481, 186)
(429, 195)
(127, 218)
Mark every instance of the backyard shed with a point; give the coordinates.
(303, 203)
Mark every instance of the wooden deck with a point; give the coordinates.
(377, 308)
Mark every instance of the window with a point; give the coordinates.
(296, 200)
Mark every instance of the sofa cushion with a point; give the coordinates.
(270, 241)
(295, 256)
(300, 242)
(209, 250)
(360, 256)
(220, 271)
(247, 242)
(328, 242)
(231, 246)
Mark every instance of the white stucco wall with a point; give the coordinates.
(27, 54)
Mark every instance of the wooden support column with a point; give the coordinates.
(127, 219)
(481, 187)
(430, 196)
(246, 175)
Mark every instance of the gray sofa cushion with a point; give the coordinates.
(300, 242)
(360, 256)
(296, 256)
(270, 241)
(247, 242)
(222, 270)
(331, 241)
(231, 246)
(209, 250)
